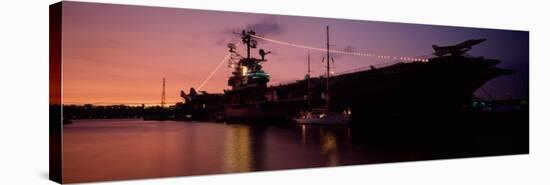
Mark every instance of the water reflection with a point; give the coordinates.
(303, 128)
(329, 146)
(237, 151)
(329, 138)
(96, 150)
(123, 149)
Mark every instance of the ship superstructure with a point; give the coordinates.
(444, 83)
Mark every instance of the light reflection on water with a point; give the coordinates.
(329, 146)
(237, 149)
(123, 149)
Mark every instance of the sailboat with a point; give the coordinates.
(323, 116)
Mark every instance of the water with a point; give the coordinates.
(123, 149)
(116, 149)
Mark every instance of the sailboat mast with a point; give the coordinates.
(308, 66)
(328, 71)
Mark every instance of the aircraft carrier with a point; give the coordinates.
(442, 84)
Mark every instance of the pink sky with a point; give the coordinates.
(119, 54)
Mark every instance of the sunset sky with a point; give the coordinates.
(115, 54)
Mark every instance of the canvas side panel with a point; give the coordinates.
(55, 93)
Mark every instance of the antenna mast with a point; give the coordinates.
(163, 99)
(308, 82)
(308, 66)
(328, 71)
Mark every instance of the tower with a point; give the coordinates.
(248, 72)
(328, 73)
(163, 99)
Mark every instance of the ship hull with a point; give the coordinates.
(443, 85)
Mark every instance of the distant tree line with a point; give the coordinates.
(89, 111)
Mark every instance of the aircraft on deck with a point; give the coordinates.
(458, 49)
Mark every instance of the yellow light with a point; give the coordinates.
(244, 70)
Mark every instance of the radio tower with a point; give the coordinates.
(163, 99)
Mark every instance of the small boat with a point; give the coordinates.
(322, 118)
